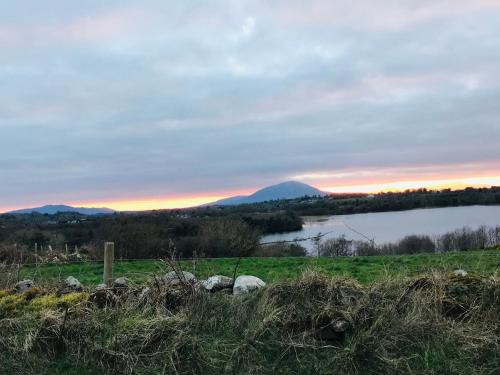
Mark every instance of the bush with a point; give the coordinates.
(416, 244)
(335, 247)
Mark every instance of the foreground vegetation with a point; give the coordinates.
(432, 324)
(364, 269)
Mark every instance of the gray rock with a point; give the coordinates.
(215, 283)
(120, 285)
(101, 287)
(173, 279)
(244, 284)
(72, 283)
(23, 286)
(460, 273)
(122, 282)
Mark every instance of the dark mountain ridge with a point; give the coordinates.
(284, 190)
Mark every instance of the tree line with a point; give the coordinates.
(142, 236)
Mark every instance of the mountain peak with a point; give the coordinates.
(283, 190)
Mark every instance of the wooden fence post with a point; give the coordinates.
(109, 256)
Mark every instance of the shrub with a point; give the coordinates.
(335, 247)
(416, 244)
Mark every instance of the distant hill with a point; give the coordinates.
(54, 209)
(285, 190)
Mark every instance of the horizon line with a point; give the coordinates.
(159, 203)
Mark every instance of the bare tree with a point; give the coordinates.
(335, 247)
(227, 237)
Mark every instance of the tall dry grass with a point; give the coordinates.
(434, 324)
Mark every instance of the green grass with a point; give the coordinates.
(364, 269)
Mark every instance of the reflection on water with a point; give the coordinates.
(392, 226)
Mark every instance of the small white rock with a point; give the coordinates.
(244, 284)
(460, 273)
(173, 279)
(73, 283)
(217, 282)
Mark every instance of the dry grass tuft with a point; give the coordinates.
(315, 305)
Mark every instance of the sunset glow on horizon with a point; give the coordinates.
(178, 202)
(173, 203)
(149, 204)
(186, 202)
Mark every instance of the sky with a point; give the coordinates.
(154, 104)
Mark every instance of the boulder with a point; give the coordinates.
(173, 279)
(244, 284)
(460, 273)
(72, 284)
(23, 286)
(216, 283)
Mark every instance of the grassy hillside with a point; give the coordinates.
(363, 269)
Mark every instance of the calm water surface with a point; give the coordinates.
(392, 226)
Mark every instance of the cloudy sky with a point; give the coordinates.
(143, 104)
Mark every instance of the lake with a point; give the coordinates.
(393, 226)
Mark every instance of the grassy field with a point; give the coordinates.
(364, 269)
